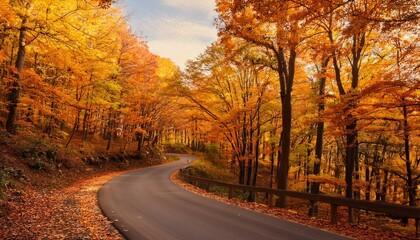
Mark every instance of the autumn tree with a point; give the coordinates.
(41, 24)
(82, 68)
(395, 97)
(232, 91)
(146, 82)
(276, 27)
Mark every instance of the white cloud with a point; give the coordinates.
(177, 50)
(178, 38)
(180, 28)
(199, 5)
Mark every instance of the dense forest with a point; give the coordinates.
(76, 67)
(315, 96)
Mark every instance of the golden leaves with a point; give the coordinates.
(223, 6)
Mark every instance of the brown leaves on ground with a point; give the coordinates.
(71, 213)
(364, 231)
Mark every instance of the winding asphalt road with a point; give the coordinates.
(145, 204)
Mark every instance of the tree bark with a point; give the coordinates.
(410, 183)
(14, 94)
(75, 127)
(286, 77)
(313, 211)
(350, 159)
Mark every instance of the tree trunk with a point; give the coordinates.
(286, 71)
(85, 125)
(350, 159)
(140, 141)
(257, 154)
(110, 128)
(14, 94)
(285, 147)
(242, 162)
(75, 126)
(384, 186)
(306, 165)
(410, 183)
(249, 154)
(313, 210)
(367, 178)
(272, 156)
(352, 149)
(279, 158)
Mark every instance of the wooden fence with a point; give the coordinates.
(395, 210)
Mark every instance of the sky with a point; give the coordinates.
(175, 29)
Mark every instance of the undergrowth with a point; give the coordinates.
(176, 148)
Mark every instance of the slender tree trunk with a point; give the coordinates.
(75, 127)
(357, 178)
(257, 152)
(367, 178)
(306, 164)
(242, 162)
(313, 210)
(110, 128)
(279, 157)
(286, 77)
(384, 186)
(350, 159)
(257, 155)
(85, 125)
(14, 94)
(352, 145)
(249, 154)
(377, 174)
(272, 156)
(410, 183)
(140, 140)
(284, 162)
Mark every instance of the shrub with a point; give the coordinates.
(206, 169)
(35, 146)
(4, 180)
(212, 154)
(39, 164)
(175, 148)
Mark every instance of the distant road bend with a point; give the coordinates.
(145, 204)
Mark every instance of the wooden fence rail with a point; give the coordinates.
(380, 207)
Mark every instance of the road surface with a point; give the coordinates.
(145, 204)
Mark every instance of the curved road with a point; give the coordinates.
(145, 204)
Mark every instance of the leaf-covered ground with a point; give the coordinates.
(363, 231)
(70, 213)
